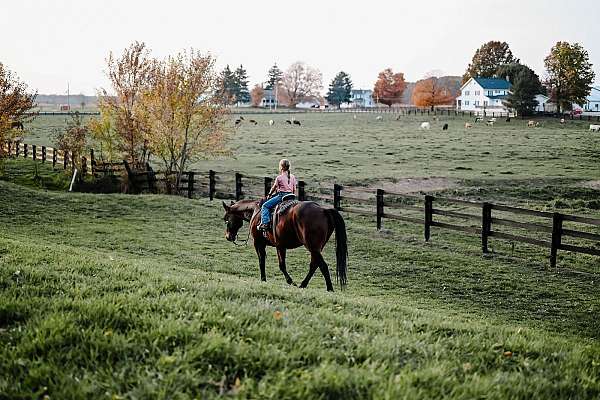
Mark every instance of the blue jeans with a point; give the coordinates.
(265, 211)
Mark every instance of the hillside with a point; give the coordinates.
(124, 296)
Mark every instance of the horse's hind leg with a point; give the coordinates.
(325, 271)
(317, 261)
(281, 255)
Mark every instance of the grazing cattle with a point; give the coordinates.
(242, 118)
(468, 125)
(288, 121)
(354, 116)
(238, 121)
(426, 126)
(297, 123)
(445, 127)
(379, 118)
(537, 124)
(507, 119)
(562, 121)
(595, 128)
(530, 124)
(271, 122)
(490, 123)
(492, 120)
(478, 119)
(253, 122)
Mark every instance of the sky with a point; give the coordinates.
(50, 44)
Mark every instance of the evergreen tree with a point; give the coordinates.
(340, 89)
(240, 78)
(511, 71)
(227, 89)
(524, 89)
(275, 75)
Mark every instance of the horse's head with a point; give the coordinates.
(233, 221)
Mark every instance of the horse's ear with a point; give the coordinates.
(225, 206)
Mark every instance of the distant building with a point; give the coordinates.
(360, 98)
(544, 104)
(268, 99)
(484, 94)
(592, 103)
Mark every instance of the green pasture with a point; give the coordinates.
(335, 146)
(118, 297)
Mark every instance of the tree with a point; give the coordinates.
(511, 71)
(256, 94)
(340, 89)
(15, 103)
(526, 86)
(74, 138)
(227, 87)
(488, 58)
(570, 74)
(431, 92)
(240, 79)
(389, 87)
(275, 75)
(301, 82)
(187, 118)
(130, 78)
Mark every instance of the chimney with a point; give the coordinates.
(508, 78)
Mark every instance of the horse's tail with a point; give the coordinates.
(341, 246)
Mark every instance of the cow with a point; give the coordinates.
(468, 125)
(490, 123)
(238, 121)
(288, 121)
(492, 120)
(595, 128)
(478, 119)
(426, 126)
(18, 125)
(445, 127)
(253, 122)
(379, 118)
(562, 121)
(297, 123)
(271, 122)
(530, 124)
(507, 119)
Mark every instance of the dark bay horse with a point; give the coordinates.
(303, 224)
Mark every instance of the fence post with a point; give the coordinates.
(301, 190)
(557, 220)
(83, 167)
(428, 216)
(34, 152)
(238, 186)
(379, 208)
(17, 145)
(337, 189)
(25, 150)
(190, 185)
(486, 225)
(92, 161)
(43, 154)
(65, 159)
(54, 158)
(268, 184)
(211, 184)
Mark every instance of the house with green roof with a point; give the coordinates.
(484, 95)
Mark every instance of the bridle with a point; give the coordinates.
(245, 242)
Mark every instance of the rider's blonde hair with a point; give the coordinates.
(284, 164)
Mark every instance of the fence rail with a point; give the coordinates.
(238, 186)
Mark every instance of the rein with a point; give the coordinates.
(245, 242)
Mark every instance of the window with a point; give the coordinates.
(466, 92)
(477, 92)
(485, 103)
(466, 102)
(489, 93)
(476, 102)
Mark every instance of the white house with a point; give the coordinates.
(360, 98)
(543, 105)
(484, 95)
(593, 101)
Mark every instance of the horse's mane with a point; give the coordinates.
(245, 207)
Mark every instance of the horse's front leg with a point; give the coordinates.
(281, 255)
(262, 257)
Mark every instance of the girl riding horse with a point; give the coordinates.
(284, 184)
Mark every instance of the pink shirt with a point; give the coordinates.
(282, 184)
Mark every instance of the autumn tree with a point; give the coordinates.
(103, 131)
(186, 116)
(15, 104)
(340, 89)
(389, 87)
(256, 95)
(240, 80)
(74, 138)
(274, 76)
(488, 58)
(129, 76)
(431, 92)
(300, 82)
(570, 74)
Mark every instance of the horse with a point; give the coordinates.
(303, 224)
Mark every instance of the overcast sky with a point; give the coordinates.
(50, 43)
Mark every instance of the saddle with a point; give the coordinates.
(288, 201)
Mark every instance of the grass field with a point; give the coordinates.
(113, 296)
(337, 147)
(140, 296)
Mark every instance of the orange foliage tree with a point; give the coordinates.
(431, 92)
(256, 95)
(389, 87)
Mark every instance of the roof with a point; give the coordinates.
(493, 83)
(594, 95)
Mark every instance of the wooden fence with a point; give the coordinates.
(428, 211)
